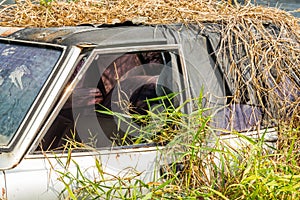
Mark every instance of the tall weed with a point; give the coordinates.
(196, 163)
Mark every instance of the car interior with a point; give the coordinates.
(121, 82)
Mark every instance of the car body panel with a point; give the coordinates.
(201, 75)
(38, 171)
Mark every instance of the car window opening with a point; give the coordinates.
(119, 82)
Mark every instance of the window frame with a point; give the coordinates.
(12, 153)
(112, 50)
(28, 115)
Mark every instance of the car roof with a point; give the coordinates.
(86, 34)
(112, 35)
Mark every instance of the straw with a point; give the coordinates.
(263, 41)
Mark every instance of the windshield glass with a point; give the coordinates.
(23, 71)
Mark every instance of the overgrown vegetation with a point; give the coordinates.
(259, 53)
(203, 165)
(258, 49)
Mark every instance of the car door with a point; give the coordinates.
(41, 176)
(92, 134)
(91, 114)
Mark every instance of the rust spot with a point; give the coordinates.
(15, 165)
(86, 45)
(6, 31)
(49, 35)
(117, 156)
(3, 193)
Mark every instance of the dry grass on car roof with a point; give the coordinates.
(61, 13)
(271, 56)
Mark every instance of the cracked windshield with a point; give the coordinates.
(23, 71)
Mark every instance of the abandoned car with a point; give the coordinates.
(54, 81)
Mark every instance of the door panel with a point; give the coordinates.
(37, 177)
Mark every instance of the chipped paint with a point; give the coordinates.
(86, 45)
(6, 31)
(3, 194)
(3, 186)
(49, 35)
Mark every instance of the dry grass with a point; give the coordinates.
(59, 13)
(263, 41)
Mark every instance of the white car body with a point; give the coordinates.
(28, 173)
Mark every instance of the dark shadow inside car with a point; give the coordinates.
(119, 82)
